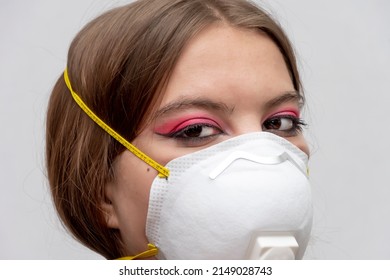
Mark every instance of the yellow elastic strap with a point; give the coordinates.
(151, 252)
(163, 171)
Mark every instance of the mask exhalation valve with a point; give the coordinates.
(273, 247)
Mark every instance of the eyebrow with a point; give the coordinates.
(185, 103)
(205, 103)
(289, 96)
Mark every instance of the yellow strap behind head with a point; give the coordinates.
(151, 252)
(163, 171)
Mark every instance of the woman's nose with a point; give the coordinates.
(247, 124)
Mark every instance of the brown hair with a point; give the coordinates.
(117, 64)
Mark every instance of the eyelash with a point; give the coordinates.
(297, 125)
(180, 134)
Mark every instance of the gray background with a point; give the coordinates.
(344, 53)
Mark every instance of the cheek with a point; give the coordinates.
(160, 149)
(133, 181)
(301, 143)
(131, 198)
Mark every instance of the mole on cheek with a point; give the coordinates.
(148, 169)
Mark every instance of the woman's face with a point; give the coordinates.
(227, 82)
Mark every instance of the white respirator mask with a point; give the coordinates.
(245, 198)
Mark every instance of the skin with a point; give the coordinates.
(228, 80)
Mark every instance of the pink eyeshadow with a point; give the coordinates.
(293, 112)
(172, 126)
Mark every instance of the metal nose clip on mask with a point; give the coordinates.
(245, 198)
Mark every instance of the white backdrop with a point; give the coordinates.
(344, 52)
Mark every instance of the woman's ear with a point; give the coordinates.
(108, 208)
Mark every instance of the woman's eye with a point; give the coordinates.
(191, 132)
(200, 131)
(285, 126)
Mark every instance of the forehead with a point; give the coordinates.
(223, 59)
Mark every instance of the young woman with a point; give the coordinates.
(175, 132)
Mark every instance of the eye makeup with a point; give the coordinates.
(174, 125)
(286, 112)
(170, 127)
(190, 130)
(285, 123)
